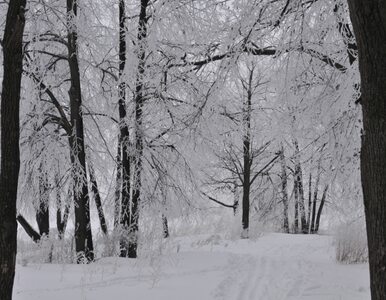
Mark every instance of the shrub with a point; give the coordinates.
(351, 242)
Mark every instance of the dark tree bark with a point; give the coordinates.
(235, 198)
(10, 152)
(66, 214)
(97, 199)
(61, 221)
(296, 196)
(309, 203)
(299, 179)
(322, 202)
(58, 201)
(312, 230)
(43, 220)
(369, 23)
(162, 177)
(42, 211)
(164, 194)
(32, 233)
(165, 226)
(247, 159)
(123, 171)
(118, 188)
(284, 191)
(83, 236)
(137, 160)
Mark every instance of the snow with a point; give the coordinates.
(271, 267)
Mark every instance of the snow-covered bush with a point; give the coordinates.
(351, 242)
(48, 250)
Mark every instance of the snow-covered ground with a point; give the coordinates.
(272, 267)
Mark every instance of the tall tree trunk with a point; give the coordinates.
(285, 226)
(124, 139)
(10, 153)
(118, 187)
(42, 211)
(247, 109)
(312, 230)
(164, 195)
(139, 101)
(162, 177)
(369, 22)
(299, 179)
(322, 201)
(296, 196)
(309, 203)
(235, 198)
(97, 199)
(83, 236)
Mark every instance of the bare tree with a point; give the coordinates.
(10, 153)
(283, 177)
(83, 236)
(97, 199)
(320, 209)
(123, 192)
(369, 22)
(299, 185)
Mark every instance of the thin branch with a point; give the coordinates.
(264, 168)
(218, 202)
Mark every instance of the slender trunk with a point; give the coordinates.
(123, 171)
(235, 199)
(118, 187)
(284, 191)
(42, 211)
(247, 107)
(98, 201)
(165, 226)
(83, 236)
(137, 160)
(309, 203)
(299, 179)
(315, 198)
(296, 195)
(322, 201)
(162, 177)
(66, 214)
(164, 195)
(32, 233)
(369, 22)
(61, 221)
(10, 153)
(302, 209)
(58, 201)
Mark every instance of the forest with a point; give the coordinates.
(143, 137)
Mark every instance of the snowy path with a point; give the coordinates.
(292, 267)
(274, 267)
